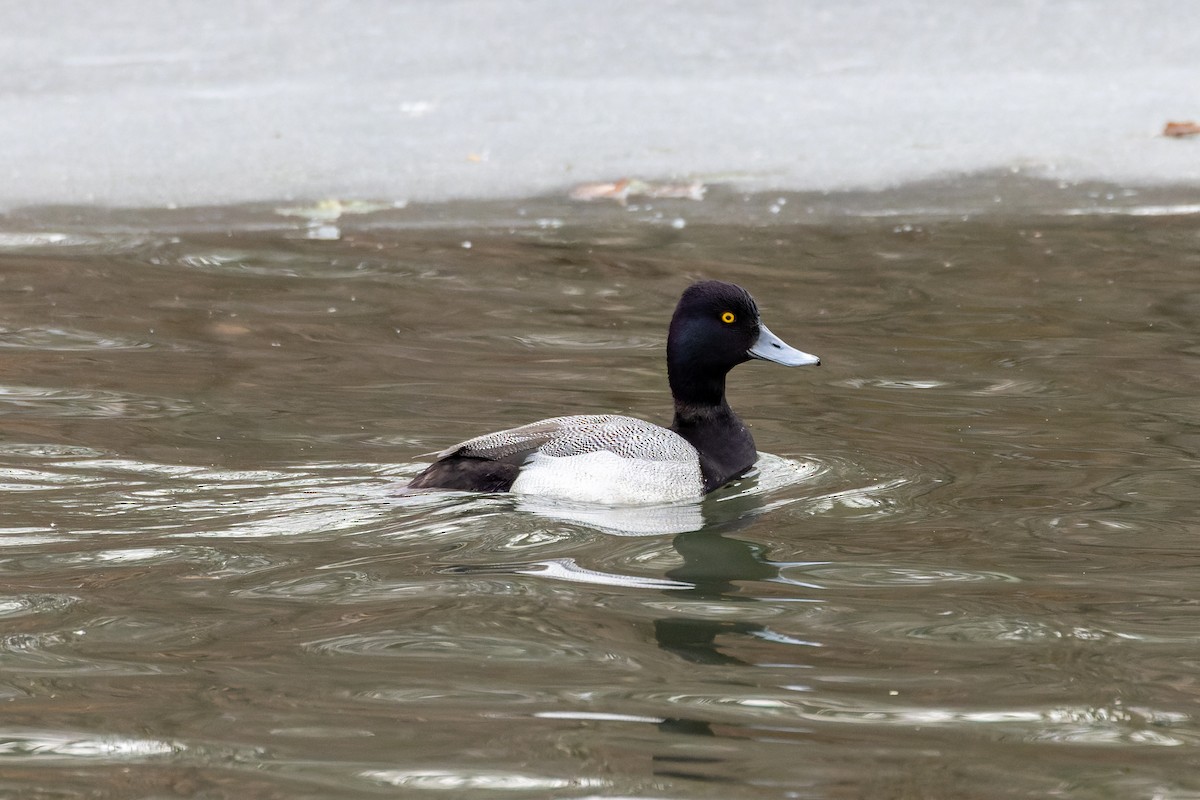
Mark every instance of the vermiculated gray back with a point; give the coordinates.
(627, 437)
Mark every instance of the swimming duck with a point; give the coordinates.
(624, 460)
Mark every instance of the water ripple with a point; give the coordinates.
(59, 339)
(470, 696)
(828, 575)
(268, 263)
(48, 653)
(1010, 630)
(210, 561)
(983, 387)
(25, 479)
(843, 486)
(85, 403)
(582, 341)
(772, 474)
(46, 450)
(14, 606)
(194, 501)
(438, 645)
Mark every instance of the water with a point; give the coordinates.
(965, 568)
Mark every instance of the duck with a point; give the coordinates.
(620, 460)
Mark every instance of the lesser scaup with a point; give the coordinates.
(621, 460)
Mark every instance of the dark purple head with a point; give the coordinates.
(716, 326)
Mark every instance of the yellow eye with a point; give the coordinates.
(728, 317)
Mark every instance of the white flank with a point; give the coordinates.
(605, 477)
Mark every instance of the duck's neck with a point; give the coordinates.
(703, 417)
(695, 389)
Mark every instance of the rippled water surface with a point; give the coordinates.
(967, 565)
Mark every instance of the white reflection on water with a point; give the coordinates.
(45, 745)
(23, 605)
(459, 780)
(18, 240)
(565, 569)
(598, 716)
(28, 537)
(1078, 724)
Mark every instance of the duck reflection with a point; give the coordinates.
(619, 520)
(713, 564)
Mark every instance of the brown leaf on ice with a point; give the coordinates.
(1181, 129)
(626, 188)
(618, 190)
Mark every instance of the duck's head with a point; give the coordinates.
(717, 326)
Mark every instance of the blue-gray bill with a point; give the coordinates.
(770, 347)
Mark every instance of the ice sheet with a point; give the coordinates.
(230, 101)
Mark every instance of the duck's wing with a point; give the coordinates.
(627, 437)
(515, 444)
(490, 463)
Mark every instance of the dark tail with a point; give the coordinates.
(465, 474)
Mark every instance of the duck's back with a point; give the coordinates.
(592, 458)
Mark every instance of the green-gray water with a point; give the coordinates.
(967, 567)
